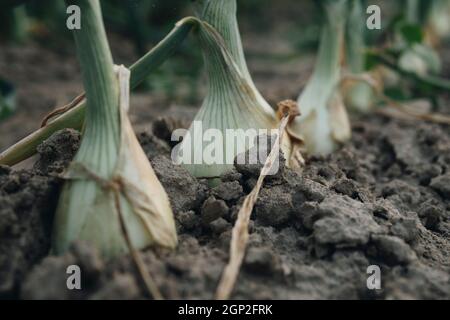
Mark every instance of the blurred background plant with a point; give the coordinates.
(145, 22)
(7, 99)
(412, 36)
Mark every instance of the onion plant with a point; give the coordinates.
(414, 54)
(323, 122)
(409, 54)
(358, 95)
(111, 194)
(228, 47)
(233, 105)
(438, 21)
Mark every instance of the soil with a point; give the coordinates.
(382, 199)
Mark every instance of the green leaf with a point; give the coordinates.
(411, 33)
(397, 93)
(371, 61)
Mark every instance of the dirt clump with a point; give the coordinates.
(313, 234)
(381, 199)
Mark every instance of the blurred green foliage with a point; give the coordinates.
(145, 22)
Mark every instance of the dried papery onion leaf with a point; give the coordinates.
(110, 163)
(323, 123)
(141, 188)
(287, 111)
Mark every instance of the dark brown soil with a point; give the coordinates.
(383, 199)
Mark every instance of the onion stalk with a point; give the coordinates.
(413, 14)
(233, 107)
(110, 178)
(358, 95)
(323, 123)
(222, 15)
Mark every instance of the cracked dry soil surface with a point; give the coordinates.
(383, 199)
